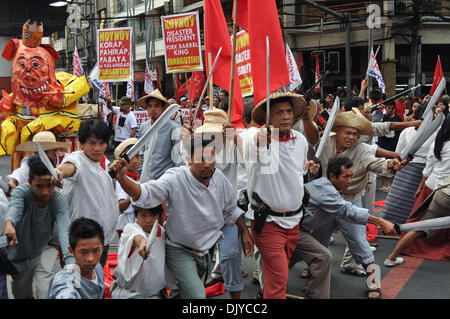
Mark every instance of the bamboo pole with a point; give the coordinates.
(233, 63)
(211, 87)
(187, 86)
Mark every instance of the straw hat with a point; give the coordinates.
(298, 102)
(47, 140)
(123, 146)
(213, 120)
(156, 94)
(353, 119)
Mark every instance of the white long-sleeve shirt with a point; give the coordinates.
(195, 213)
(90, 193)
(136, 275)
(280, 183)
(406, 136)
(436, 170)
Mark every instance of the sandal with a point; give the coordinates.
(378, 290)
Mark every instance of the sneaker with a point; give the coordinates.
(390, 263)
(355, 270)
(372, 248)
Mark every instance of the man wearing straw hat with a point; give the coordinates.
(200, 202)
(158, 154)
(349, 126)
(275, 185)
(228, 257)
(49, 144)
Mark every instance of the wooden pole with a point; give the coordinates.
(211, 87)
(187, 86)
(117, 93)
(233, 63)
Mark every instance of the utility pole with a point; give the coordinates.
(370, 46)
(415, 62)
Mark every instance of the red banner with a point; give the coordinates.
(181, 34)
(114, 54)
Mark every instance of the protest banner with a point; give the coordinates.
(141, 117)
(243, 64)
(182, 47)
(114, 54)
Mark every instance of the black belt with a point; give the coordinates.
(271, 212)
(277, 214)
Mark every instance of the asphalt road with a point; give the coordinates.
(416, 279)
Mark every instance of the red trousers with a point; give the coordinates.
(276, 246)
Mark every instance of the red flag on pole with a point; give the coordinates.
(196, 83)
(262, 20)
(77, 67)
(317, 76)
(216, 36)
(438, 75)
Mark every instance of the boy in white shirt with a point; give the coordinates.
(125, 207)
(88, 188)
(141, 272)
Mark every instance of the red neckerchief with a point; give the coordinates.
(103, 162)
(135, 176)
(288, 138)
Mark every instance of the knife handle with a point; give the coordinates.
(112, 173)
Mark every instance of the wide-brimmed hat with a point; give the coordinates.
(353, 119)
(122, 146)
(298, 102)
(46, 139)
(213, 121)
(156, 94)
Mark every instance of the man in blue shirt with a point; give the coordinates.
(84, 279)
(34, 211)
(326, 203)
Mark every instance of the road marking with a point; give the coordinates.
(396, 278)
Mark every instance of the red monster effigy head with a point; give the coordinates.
(33, 71)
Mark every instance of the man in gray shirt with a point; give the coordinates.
(158, 154)
(35, 209)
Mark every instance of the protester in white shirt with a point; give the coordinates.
(140, 272)
(126, 124)
(200, 201)
(276, 177)
(125, 207)
(88, 188)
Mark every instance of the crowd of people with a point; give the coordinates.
(201, 193)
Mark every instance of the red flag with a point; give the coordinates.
(177, 86)
(77, 67)
(317, 89)
(438, 75)
(181, 91)
(216, 36)
(263, 21)
(242, 18)
(300, 63)
(196, 84)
